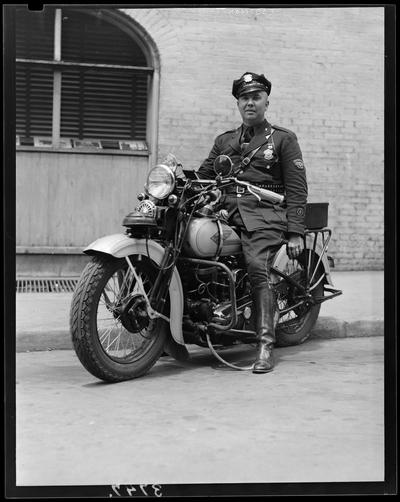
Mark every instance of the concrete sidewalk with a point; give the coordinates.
(42, 319)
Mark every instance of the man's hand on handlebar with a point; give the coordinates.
(213, 196)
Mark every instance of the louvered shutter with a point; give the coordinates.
(34, 84)
(105, 104)
(34, 101)
(98, 102)
(34, 32)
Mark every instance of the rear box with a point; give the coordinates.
(316, 215)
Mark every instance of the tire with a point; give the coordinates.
(115, 343)
(295, 326)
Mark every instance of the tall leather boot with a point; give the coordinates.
(265, 304)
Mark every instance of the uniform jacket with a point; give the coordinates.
(277, 162)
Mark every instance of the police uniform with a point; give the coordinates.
(276, 165)
(271, 159)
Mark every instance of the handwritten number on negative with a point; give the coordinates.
(131, 490)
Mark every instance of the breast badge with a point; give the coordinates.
(268, 154)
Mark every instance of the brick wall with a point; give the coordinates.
(326, 66)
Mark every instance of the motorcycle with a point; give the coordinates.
(177, 278)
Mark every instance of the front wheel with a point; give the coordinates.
(294, 326)
(112, 334)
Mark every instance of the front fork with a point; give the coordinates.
(157, 299)
(158, 296)
(152, 313)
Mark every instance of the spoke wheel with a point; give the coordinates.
(294, 326)
(112, 333)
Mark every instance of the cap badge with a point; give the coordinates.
(248, 77)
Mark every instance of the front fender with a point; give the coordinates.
(281, 258)
(120, 246)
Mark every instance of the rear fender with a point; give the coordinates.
(281, 258)
(120, 246)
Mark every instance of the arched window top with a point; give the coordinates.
(86, 37)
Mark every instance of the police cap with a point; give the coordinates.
(250, 82)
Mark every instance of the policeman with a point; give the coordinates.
(269, 157)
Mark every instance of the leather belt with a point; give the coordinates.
(271, 186)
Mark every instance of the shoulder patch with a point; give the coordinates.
(299, 163)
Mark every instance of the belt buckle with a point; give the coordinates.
(240, 189)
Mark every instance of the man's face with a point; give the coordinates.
(252, 106)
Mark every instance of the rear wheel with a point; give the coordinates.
(113, 336)
(295, 323)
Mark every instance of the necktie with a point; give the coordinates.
(248, 134)
(246, 138)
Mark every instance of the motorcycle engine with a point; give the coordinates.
(207, 290)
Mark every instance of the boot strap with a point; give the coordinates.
(269, 341)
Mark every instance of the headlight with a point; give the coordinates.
(160, 182)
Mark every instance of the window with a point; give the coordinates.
(81, 81)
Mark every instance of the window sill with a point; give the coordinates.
(92, 151)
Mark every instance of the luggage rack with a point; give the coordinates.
(324, 235)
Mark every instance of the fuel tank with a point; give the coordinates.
(205, 236)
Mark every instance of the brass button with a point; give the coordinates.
(239, 195)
